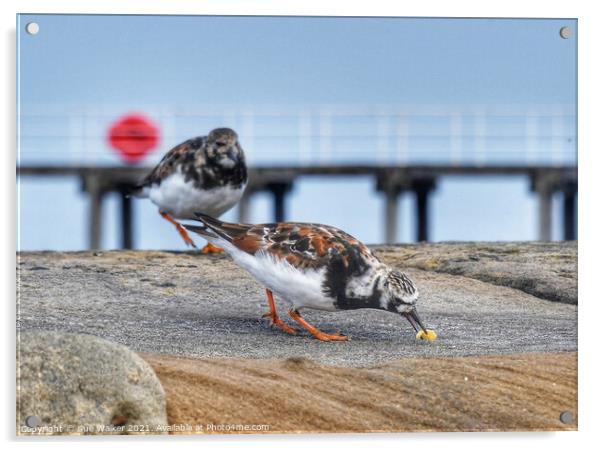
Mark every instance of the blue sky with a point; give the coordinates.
(187, 60)
(104, 66)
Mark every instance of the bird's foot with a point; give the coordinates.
(321, 336)
(317, 334)
(275, 320)
(210, 248)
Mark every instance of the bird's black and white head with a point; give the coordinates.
(223, 147)
(400, 296)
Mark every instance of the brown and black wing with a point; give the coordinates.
(303, 245)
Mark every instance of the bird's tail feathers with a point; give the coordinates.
(225, 230)
(209, 220)
(211, 227)
(203, 230)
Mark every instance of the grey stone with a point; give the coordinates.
(215, 308)
(81, 384)
(546, 270)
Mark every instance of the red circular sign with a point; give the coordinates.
(133, 136)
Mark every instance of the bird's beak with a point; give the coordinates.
(232, 154)
(415, 320)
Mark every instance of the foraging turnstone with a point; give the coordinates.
(206, 174)
(315, 266)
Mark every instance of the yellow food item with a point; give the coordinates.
(429, 335)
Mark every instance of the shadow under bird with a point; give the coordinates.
(315, 266)
(206, 174)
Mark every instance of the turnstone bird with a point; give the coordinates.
(315, 266)
(206, 174)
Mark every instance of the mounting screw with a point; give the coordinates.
(32, 28)
(32, 421)
(566, 417)
(565, 32)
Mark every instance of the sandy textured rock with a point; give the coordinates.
(186, 304)
(80, 384)
(546, 270)
(476, 393)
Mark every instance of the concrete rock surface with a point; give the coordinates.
(187, 304)
(546, 270)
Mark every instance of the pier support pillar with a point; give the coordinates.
(422, 188)
(545, 214)
(391, 183)
(545, 186)
(279, 191)
(92, 184)
(570, 211)
(391, 207)
(127, 227)
(244, 207)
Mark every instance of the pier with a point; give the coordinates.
(391, 181)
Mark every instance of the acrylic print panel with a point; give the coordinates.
(149, 302)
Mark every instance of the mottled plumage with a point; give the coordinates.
(206, 174)
(314, 266)
(208, 162)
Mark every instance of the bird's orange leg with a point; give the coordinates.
(210, 248)
(274, 319)
(179, 227)
(313, 330)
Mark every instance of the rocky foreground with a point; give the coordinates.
(525, 392)
(545, 270)
(506, 316)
